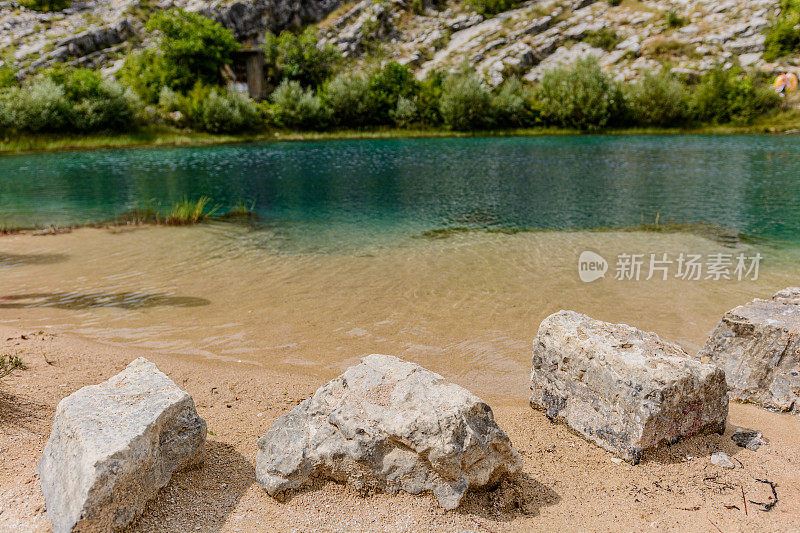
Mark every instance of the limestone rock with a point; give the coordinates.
(758, 347)
(114, 445)
(625, 389)
(386, 424)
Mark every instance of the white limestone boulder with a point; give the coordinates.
(388, 425)
(624, 389)
(114, 445)
(758, 347)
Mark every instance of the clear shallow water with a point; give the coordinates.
(333, 194)
(466, 305)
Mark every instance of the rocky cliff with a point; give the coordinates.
(687, 36)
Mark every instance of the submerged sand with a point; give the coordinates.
(570, 483)
(250, 327)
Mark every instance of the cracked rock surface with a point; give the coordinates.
(758, 347)
(389, 425)
(625, 389)
(114, 445)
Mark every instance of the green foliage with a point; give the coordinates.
(46, 6)
(192, 50)
(730, 96)
(429, 98)
(605, 38)
(188, 212)
(9, 363)
(405, 113)
(673, 20)
(492, 7)
(782, 38)
(212, 109)
(8, 76)
(465, 103)
(514, 105)
(76, 100)
(657, 99)
(295, 107)
(385, 87)
(581, 96)
(614, 2)
(298, 57)
(347, 98)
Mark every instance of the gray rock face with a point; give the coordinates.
(758, 347)
(114, 445)
(389, 425)
(249, 19)
(624, 389)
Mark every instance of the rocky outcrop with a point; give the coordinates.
(388, 425)
(114, 445)
(250, 19)
(758, 347)
(624, 389)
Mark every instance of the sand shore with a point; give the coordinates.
(570, 484)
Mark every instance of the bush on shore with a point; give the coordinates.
(581, 96)
(730, 96)
(77, 100)
(211, 109)
(657, 99)
(465, 103)
(297, 108)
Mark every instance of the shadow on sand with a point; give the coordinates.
(121, 300)
(201, 498)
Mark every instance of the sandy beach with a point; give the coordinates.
(569, 484)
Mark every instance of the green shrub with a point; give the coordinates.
(347, 98)
(465, 103)
(605, 38)
(614, 2)
(46, 5)
(38, 106)
(730, 96)
(673, 20)
(405, 113)
(429, 97)
(385, 87)
(8, 76)
(657, 99)
(295, 107)
(212, 109)
(514, 105)
(581, 96)
(492, 7)
(298, 57)
(192, 50)
(782, 38)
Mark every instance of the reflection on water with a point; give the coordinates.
(466, 306)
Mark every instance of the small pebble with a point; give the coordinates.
(722, 459)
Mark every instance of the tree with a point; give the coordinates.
(298, 57)
(192, 50)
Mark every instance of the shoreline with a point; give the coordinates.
(667, 491)
(171, 138)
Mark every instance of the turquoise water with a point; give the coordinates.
(368, 190)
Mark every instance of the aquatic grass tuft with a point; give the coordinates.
(9, 363)
(240, 210)
(188, 212)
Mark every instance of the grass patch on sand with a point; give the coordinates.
(9, 363)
